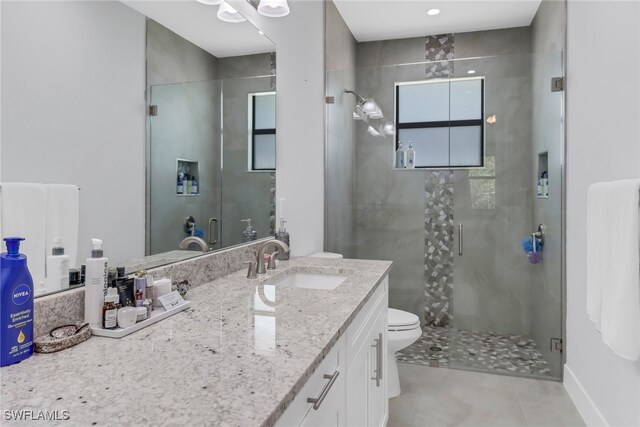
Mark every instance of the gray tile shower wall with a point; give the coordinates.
(68, 307)
(548, 35)
(410, 217)
(341, 140)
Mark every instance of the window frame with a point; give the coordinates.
(253, 132)
(441, 124)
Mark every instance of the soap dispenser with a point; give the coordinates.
(283, 235)
(57, 268)
(249, 234)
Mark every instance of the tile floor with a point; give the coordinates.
(443, 347)
(448, 397)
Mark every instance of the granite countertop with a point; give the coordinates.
(237, 357)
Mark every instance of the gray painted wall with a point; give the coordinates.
(73, 111)
(341, 142)
(548, 36)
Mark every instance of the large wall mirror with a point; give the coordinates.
(161, 113)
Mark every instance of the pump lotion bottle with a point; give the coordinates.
(16, 305)
(95, 285)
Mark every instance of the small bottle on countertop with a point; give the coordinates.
(110, 309)
(95, 287)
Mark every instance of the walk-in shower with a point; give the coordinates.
(487, 138)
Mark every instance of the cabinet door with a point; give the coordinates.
(358, 379)
(378, 404)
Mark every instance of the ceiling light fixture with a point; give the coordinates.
(210, 2)
(273, 8)
(433, 12)
(228, 14)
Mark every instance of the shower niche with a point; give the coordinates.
(187, 178)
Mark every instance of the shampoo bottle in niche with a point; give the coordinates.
(401, 157)
(249, 234)
(95, 285)
(16, 305)
(57, 267)
(411, 156)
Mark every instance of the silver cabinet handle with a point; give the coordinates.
(317, 401)
(379, 355)
(460, 241)
(213, 241)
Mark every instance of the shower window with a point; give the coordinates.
(443, 120)
(262, 131)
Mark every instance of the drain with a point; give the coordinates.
(435, 348)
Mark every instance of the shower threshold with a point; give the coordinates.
(479, 351)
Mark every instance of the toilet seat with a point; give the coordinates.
(399, 320)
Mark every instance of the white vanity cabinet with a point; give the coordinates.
(349, 387)
(367, 403)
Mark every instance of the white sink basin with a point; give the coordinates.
(311, 281)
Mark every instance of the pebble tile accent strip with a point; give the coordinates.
(485, 351)
(438, 258)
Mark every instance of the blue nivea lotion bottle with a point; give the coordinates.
(16, 305)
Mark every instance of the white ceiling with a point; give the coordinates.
(199, 24)
(371, 20)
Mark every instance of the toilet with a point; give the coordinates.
(403, 330)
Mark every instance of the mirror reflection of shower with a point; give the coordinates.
(368, 110)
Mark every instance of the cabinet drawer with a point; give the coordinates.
(332, 365)
(358, 332)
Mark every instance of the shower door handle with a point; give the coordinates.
(460, 240)
(213, 241)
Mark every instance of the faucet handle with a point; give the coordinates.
(272, 260)
(252, 271)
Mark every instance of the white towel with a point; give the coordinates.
(23, 215)
(613, 264)
(63, 219)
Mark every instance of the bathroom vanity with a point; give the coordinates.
(250, 352)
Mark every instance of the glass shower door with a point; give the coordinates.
(184, 141)
(506, 309)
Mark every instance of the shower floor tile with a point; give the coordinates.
(486, 351)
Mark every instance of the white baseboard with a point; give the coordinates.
(586, 408)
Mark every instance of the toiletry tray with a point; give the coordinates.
(156, 315)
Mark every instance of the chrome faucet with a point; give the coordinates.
(261, 250)
(188, 241)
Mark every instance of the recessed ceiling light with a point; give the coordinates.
(471, 72)
(433, 12)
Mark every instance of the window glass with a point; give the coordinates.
(426, 102)
(466, 100)
(465, 144)
(264, 154)
(265, 111)
(431, 145)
